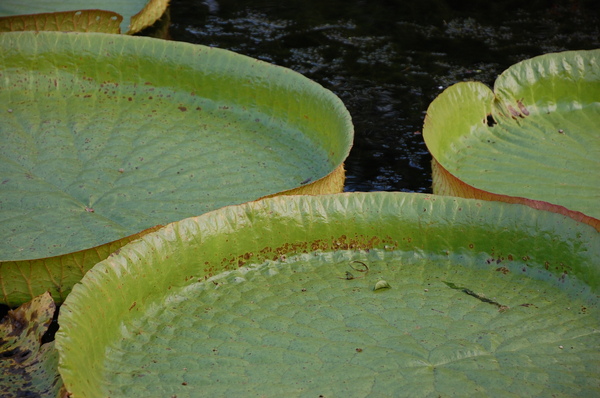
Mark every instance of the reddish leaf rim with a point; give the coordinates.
(445, 183)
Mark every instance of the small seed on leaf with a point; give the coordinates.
(381, 285)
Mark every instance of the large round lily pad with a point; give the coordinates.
(104, 136)
(534, 139)
(64, 21)
(375, 294)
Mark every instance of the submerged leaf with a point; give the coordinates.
(28, 367)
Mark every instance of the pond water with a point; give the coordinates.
(388, 59)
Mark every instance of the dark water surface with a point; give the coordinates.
(388, 59)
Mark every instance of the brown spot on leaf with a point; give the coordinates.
(522, 107)
(513, 112)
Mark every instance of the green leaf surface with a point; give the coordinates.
(104, 136)
(136, 14)
(286, 296)
(536, 136)
(28, 367)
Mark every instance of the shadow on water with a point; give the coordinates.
(388, 59)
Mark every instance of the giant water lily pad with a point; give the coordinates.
(104, 136)
(131, 16)
(534, 139)
(65, 21)
(375, 294)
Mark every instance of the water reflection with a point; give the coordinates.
(387, 60)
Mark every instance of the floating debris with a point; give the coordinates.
(364, 268)
(478, 296)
